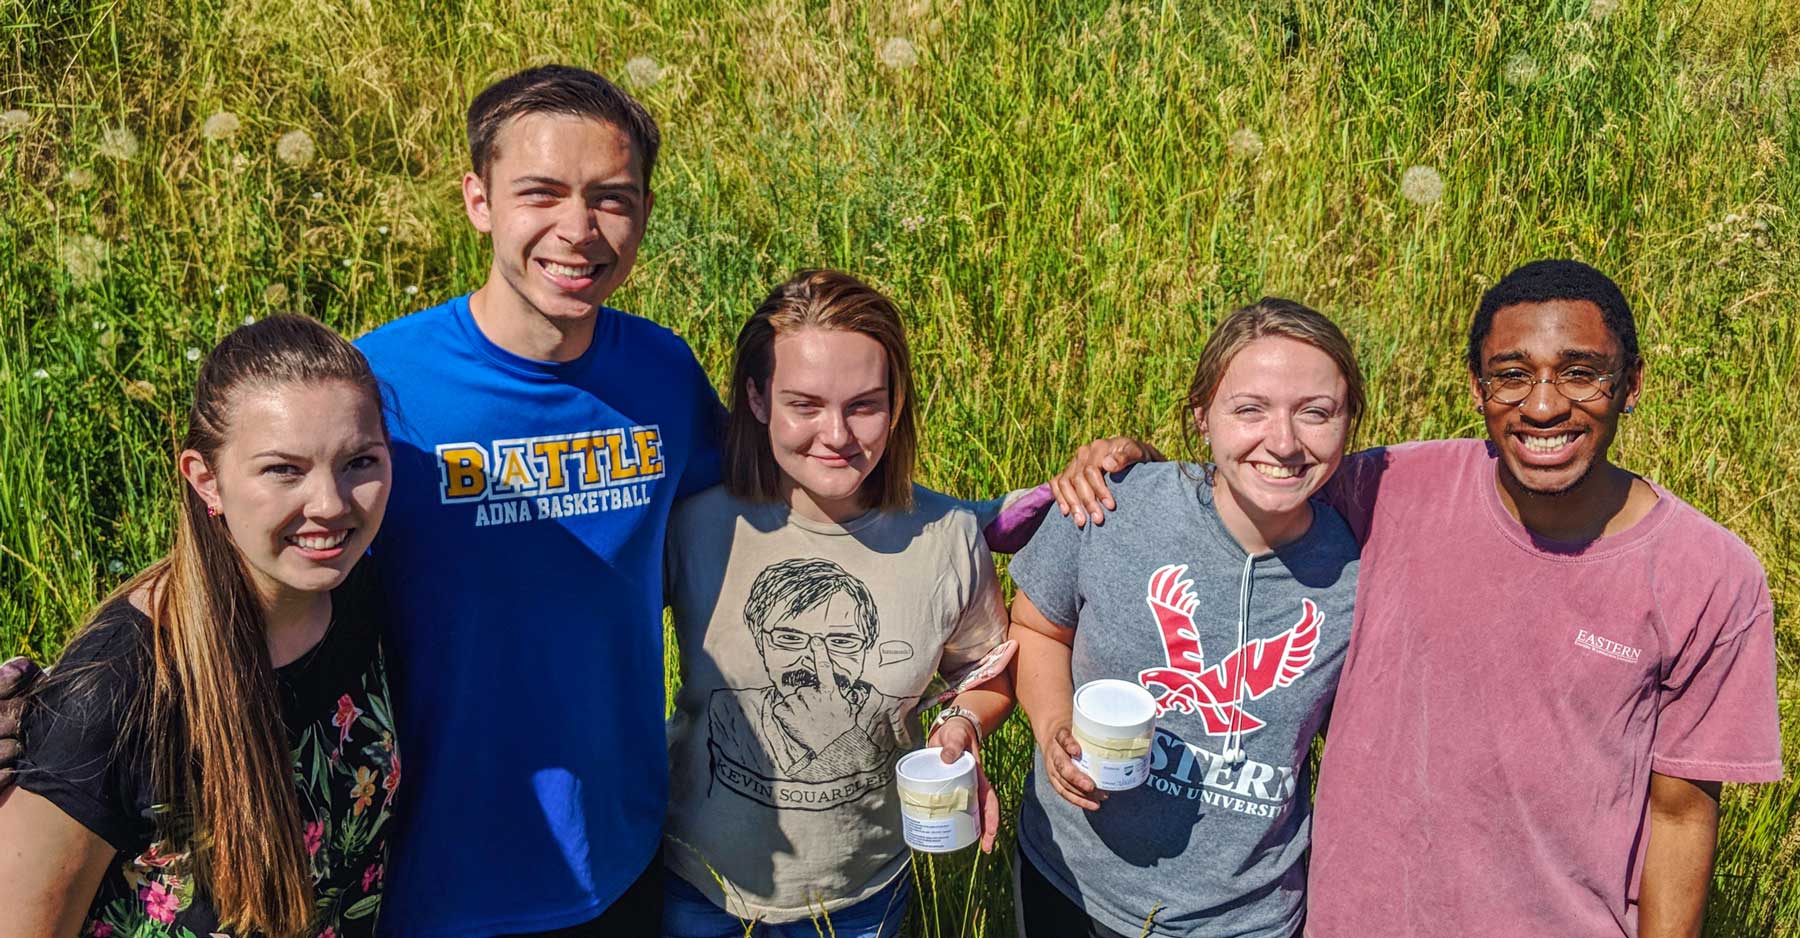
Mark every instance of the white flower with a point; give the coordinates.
(1421, 185)
(381, 229)
(412, 289)
(295, 148)
(347, 262)
(192, 354)
(643, 71)
(898, 53)
(912, 223)
(79, 178)
(119, 143)
(275, 294)
(220, 126)
(39, 373)
(317, 196)
(84, 257)
(116, 566)
(1519, 70)
(249, 318)
(1244, 143)
(1601, 9)
(13, 121)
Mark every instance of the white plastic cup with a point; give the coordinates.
(1114, 721)
(939, 812)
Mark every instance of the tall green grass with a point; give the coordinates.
(1050, 189)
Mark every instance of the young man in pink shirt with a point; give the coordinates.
(1555, 661)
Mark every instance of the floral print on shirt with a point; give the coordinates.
(346, 770)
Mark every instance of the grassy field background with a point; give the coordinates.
(1062, 195)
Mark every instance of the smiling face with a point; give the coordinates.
(829, 414)
(1548, 444)
(565, 202)
(301, 480)
(1278, 424)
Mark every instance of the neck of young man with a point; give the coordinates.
(1608, 500)
(508, 320)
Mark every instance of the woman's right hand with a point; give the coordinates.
(1060, 752)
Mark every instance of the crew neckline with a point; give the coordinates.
(1209, 510)
(519, 364)
(1559, 551)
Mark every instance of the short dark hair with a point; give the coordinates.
(558, 89)
(790, 587)
(1543, 281)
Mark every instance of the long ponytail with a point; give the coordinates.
(208, 717)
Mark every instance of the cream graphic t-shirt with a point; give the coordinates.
(806, 647)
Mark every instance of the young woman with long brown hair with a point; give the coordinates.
(214, 751)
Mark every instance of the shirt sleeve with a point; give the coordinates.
(982, 624)
(1353, 488)
(1719, 721)
(703, 468)
(1047, 571)
(70, 729)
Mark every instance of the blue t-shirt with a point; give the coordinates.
(522, 553)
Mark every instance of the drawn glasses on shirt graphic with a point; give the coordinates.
(798, 604)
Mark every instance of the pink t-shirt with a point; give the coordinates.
(1505, 699)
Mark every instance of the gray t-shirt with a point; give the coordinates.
(806, 648)
(1211, 848)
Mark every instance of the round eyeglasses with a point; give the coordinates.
(1579, 385)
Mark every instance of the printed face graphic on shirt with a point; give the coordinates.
(1249, 672)
(817, 735)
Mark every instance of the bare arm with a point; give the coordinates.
(50, 867)
(1678, 860)
(1047, 692)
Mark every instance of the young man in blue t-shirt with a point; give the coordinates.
(539, 441)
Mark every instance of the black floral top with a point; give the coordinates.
(346, 767)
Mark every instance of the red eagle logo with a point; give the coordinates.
(1188, 685)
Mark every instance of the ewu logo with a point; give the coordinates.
(1188, 685)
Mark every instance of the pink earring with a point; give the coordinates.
(212, 511)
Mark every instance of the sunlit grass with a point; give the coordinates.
(1062, 195)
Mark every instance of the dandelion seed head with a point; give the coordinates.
(295, 148)
(899, 53)
(275, 294)
(221, 126)
(84, 258)
(412, 289)
(1601, 9)
(14, 121)
(643, 71)
(1421, 185)
(1519, 70)
(140, 390)
(192, 354)
(119, 143)
(39, 373)
(79, 178)
(249, 319)
(1244, 143)
(347, 262)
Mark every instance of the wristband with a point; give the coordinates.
(953, 710)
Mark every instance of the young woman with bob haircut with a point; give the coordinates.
(214, 751)
(1224, 591)
(816, 595)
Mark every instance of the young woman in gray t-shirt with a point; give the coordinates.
(1225, 591)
